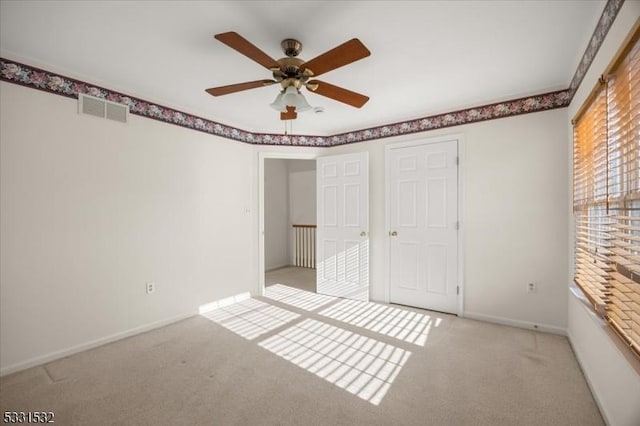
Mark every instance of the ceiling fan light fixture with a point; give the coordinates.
(302, 105)
(293, 97)
(278, 104)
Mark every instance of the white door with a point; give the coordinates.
(343, 226)
(423, 218)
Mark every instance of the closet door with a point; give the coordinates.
(423, 210)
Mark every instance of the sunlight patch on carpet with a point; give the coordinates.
(250, 318)
(297, 298)
(403, 324)
(358, 364)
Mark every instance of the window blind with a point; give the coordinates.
(606, 196)
(589, 198)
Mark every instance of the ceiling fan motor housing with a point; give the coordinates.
(289, 73)
(291, 47)
(290, 67)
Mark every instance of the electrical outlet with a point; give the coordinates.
(531, 288)
(151, 287)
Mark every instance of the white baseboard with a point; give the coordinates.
(516, 323)
(52, 356)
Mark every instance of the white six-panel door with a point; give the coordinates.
(343, 226)
(423, 219)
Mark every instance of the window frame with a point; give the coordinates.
(606, 226)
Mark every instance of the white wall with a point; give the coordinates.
(302, 197)
(92, 209)
(276, 213)
(514, 219)
(614, 377)
(614, 381)
(302, 191)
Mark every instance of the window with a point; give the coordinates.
(606, 195)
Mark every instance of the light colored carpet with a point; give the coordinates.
(297, 358)
(293, 276)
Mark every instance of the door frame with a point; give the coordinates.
(459, 138)
(262, 156)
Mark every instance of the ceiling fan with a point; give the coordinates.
(293, 73)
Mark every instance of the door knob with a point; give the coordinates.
(393, 234)
(363, 234)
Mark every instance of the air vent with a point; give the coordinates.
(97, 107)
(92, 106)
(117, 112)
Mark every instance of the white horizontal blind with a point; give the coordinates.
(623, 115)
(590, 201)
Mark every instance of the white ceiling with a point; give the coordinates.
(427, 57)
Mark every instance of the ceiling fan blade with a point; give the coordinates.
(337, 93)
(337, 57)
(239, 43)
(232, 88)
(291, 114)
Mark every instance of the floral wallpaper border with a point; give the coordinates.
(547, 101)
(25, 75)
(609, 14)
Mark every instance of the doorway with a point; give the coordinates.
(340, 247)
(289, 188)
